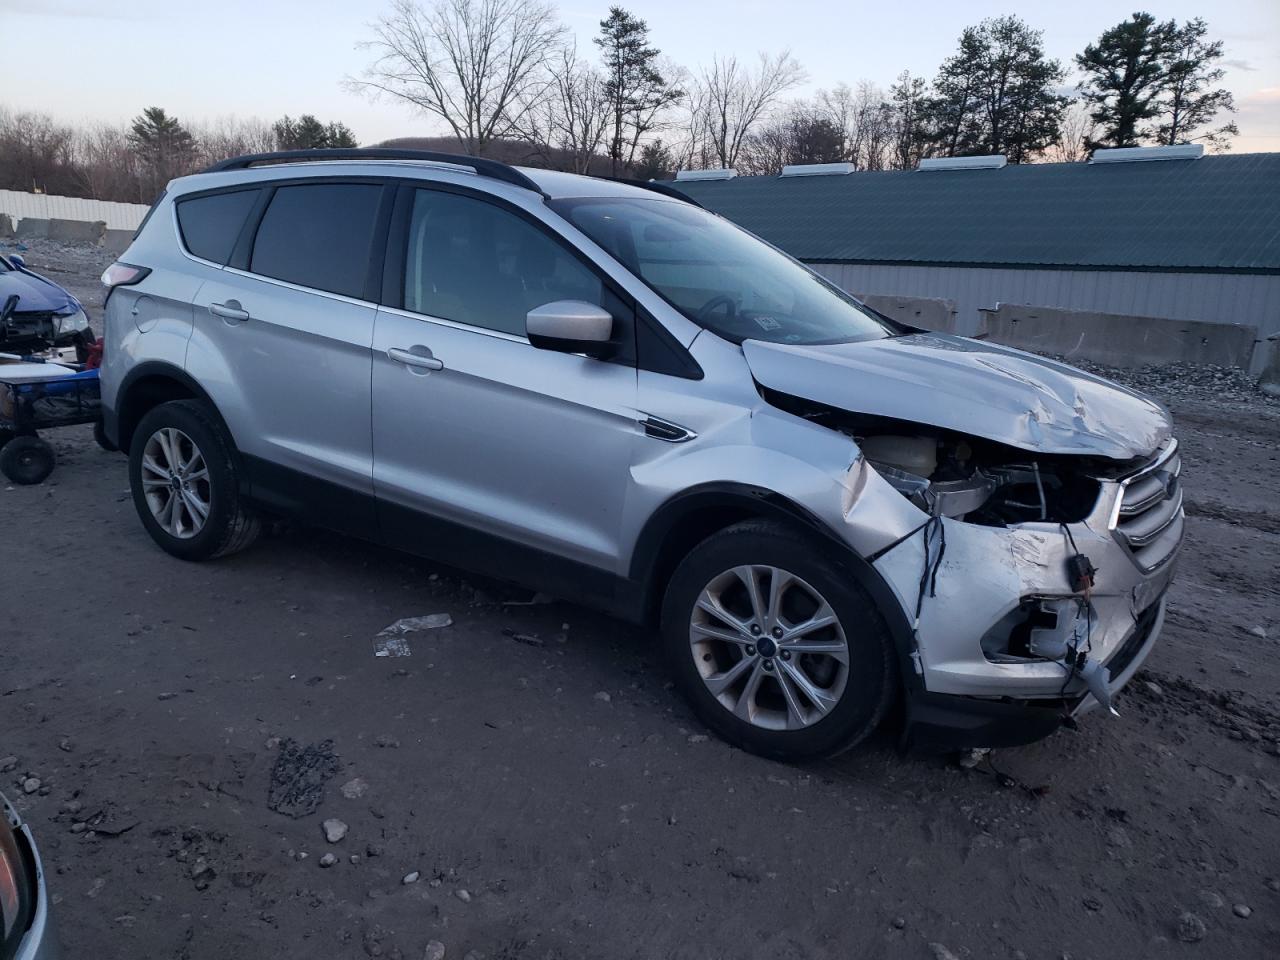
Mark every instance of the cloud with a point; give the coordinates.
(1239, 65)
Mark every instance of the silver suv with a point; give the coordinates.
(600, 390)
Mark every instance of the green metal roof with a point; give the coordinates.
(1217, 213)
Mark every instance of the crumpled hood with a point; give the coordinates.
(35, 293)
(982, 389)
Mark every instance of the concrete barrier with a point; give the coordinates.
(77, 231)
(6, 226)
(925, 312)
(1118, 340)
(117, 241)
(1269, 381)
(32, 227)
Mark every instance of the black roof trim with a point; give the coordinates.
(481, 165)
(656, 186)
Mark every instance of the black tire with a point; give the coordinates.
(100, 435)
(26, 460)
(230, 526)
(5, 436)
(871, 683)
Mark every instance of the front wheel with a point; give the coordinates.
(775, 646)
(184, 478)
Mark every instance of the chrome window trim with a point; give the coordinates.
(456, 325)
(181, 244)
(288, 285)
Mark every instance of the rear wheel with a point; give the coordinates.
(776, 647)
(26, 459)
(184, 478)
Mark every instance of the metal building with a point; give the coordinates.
(1179, 236)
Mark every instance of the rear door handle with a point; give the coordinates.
(411, 359)
(231, 310)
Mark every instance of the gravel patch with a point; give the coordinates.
(1183, 382)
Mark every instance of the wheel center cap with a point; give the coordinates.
(767, 647)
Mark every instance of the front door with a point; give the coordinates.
(483, 443)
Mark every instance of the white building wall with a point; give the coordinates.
(42, 206)
(1252, 299)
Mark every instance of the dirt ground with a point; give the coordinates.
(550, 797)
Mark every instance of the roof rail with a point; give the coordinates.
(655, 186)
(480, 165)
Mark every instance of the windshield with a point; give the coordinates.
(720, 276)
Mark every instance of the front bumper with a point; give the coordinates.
(973, 697)
(950, 721)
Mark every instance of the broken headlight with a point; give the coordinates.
(981, 482)
(69, 323)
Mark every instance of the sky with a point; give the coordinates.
(96, 60)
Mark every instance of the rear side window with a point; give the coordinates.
(210, 225)
(318, 235)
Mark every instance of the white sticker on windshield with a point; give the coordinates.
(768, 323)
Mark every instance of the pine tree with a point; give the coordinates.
(1190, 99)
(1125, 76)
(161, 140)
(308, 133)
(997, 93)
(635, 87)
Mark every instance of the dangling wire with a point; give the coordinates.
(933, 530)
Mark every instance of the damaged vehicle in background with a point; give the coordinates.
(607, 393)
(35, 311)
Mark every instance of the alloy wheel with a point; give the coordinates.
(175, 482)
(769, 647)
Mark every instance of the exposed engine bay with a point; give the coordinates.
(949, 474)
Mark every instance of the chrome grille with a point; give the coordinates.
(1149, 518)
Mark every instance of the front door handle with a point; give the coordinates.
(231, 310)
(411, 359)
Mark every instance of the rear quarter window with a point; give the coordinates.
(319, 235)
(211, 224)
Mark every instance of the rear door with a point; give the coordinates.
(474, 426)
(282, 343)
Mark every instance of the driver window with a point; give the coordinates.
(475, 263)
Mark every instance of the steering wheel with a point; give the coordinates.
(721, 300)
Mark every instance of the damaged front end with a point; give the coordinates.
(1034, 582)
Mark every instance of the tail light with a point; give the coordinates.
(123, 275)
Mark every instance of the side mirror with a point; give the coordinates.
(570, 326)
(18, 261)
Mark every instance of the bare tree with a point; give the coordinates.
(35, 153)
(730, 98)
(105, 164)
(567, 121)
(475, 64)
(232, 137)
(1079, 129)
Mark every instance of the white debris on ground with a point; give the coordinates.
(391, 641)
